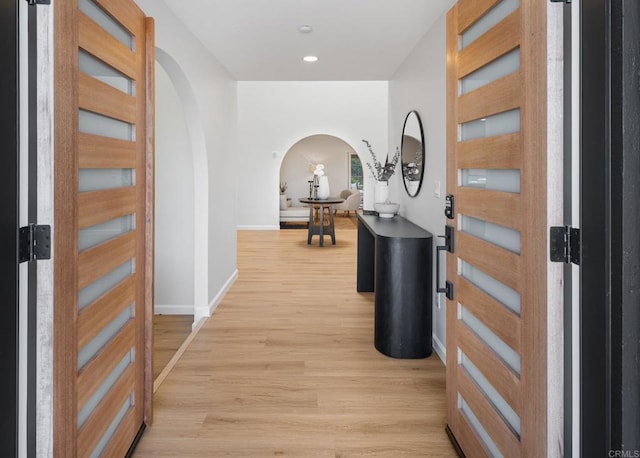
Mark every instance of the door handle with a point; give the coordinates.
(448, 246)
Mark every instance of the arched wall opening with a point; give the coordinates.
(296, 168)
(181, 194)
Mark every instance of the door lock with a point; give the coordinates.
(448, 206)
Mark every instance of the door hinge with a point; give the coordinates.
(34, 242)
(564, 244)
(38, 2)
(560, 1)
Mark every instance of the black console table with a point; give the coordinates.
(395, 261)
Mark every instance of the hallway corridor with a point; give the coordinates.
(286, 367)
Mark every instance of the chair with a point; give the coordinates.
(351, 201)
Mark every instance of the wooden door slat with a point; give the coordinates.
(497, 317)
(96, 152)
(101, 98)
(102, 45)
(94, 373)
(127, 14)
(501, 377)
(57, 116)
(98, 261)
(94, 317)
(469, 11)
(500, 433)
(124, 435)
(94, 428)
(501, 264)
(97, 207)
(468, 438)
(541, 341)
(502, 208)
(499, 152)
(149, 301)
(494, 98)
(498, 41)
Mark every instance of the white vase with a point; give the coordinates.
(283, 201)
(381, 191)
(323, 187)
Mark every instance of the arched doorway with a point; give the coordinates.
(341, 161)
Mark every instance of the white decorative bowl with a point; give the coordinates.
(386, 210)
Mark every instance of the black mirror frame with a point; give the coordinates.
(404, 181)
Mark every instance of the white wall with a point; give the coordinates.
(208, 94)
(420, 84)
(174, 253)
(330, 151)
(273, 116)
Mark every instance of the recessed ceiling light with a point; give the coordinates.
(310, 58)
(305, 29)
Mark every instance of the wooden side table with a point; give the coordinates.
(319, 227)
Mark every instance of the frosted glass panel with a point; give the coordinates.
(105, 73)
(93, 123)
(497, 69)
(510, 357)
(92, 348)
(499, 124)
(105, 21)
(490, 392)
(112, 428)
(99, 179)
(491, 286)
(103, 389)
(89, 294)
(501, 236)
(477, 426)
(99, 233)
(492, 179)
(488, 21)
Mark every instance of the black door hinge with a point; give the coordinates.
(39, 2)
(564, 244)
(35, 243)
(560, 1)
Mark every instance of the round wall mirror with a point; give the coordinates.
(412, 153)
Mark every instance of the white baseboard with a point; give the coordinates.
(223, 291)
(257, 228)
(440, 350)
(201, 313)
(173, 309)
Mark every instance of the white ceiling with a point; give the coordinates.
(258, 40)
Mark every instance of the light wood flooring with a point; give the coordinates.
(286, 367)
(169, 332)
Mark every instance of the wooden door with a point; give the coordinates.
(496, 171)
(103, 56)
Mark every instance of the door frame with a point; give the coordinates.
(610, 216)
(9, 223)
